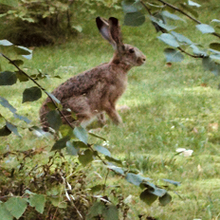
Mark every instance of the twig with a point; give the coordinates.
(184, 13)
(39, 86)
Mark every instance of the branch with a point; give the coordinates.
(184, 13)
(39, 86)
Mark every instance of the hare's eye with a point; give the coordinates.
(131, 50)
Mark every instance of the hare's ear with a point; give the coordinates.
(115, 32)
(104, 29)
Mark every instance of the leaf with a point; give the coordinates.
(197, 51)
(189, 9)
(169, 39)
(205, 28)
(216, 20)
(112, 159)
(86, 157)
(81, 134)
(161, 23)
(58, 203)
(175, 183)
(215, 56)
(31, 94)
(78, 28)
(4, 102)
(181, 38)
(215, 46)
(71, 150)
(97, 188)
(171, 16)
(97, 136)
(111, 213)
(134, 19)
(5, 42)
(16, 206)
(21, 76)
(95, 210)
(38, 202)
(4, 131)
(25, 52)
(130, 6)
(79, 144)
(60, 144)
(173, 55)
(12, 128)
(147, 197)
(116, 169)
(17, 62)
(191, 3)
(4, 213)
(23, 118)
(54, 120)
(7, 78)
(164, 200)
(157, 191)
(102, 150)
(135, 179)
(210, 65)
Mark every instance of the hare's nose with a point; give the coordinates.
(144, 59)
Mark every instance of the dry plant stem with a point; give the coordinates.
(39, 86)
(105, 180)
(184, 13)
(179, 48)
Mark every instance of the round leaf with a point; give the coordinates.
(4, 131)
(173, 55)
(135, 178)
(5, 43)
(130, 6)
(4, 213)
(171, 16)
(169, 39)
(164, 200)
(102, 150)
(60, 144)
(54, 120)
(38, 201)
(147, 197)
(205, 28)
(215, 46)
(181, 38)
(71, 150)
(7, 78)
(81, 134)
(111, 213)
(31, 94)
(134, 19)
(86, 157)
(118, 170)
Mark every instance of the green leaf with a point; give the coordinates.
(147, 197)
(134, 19)
(111, 213)
(54, 120)
(96, 210)
(16, 206)
(161, 23)
(164, 200)
(81, 134)
(117, 170)
(4, 131)
(71, 150)
(12, 128)
(97, 136)
(175, 183)
(210, 65)
(135, 179)
(21, 76)
(102, 150)
(171, 16)
(31, 94)
(189, 9)
(169, 39)
(4, 213)
(7, 78)
(17, 62)
(58, 203)
(173, 55)
(86, 157)
(157, 191)
(60, 144)
(205, 28)
(5, 42)
(98, 188)
(112, 159)
(38, 202)
(197, 51)
(215, 46)
(130, 6)
(79, 144)
(181, 38)
(78, 28)
(4, 102)
(23, 118)
(25, 52)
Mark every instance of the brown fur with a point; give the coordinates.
(95, 91)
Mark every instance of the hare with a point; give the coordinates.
(96, 91)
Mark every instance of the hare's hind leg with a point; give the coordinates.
(113, 114)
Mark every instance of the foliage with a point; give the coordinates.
(162, 14)
(45, 22)
(76, 142)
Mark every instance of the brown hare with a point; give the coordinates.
(95, 91)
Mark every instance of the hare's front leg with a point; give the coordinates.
(113, 114)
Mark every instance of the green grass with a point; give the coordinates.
(169, 109)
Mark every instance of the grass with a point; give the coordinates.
(170, 107)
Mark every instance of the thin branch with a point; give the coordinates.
(191, 55)
(184, 13)
(39, 86)
(145, 6)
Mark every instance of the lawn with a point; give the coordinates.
(169, 107)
